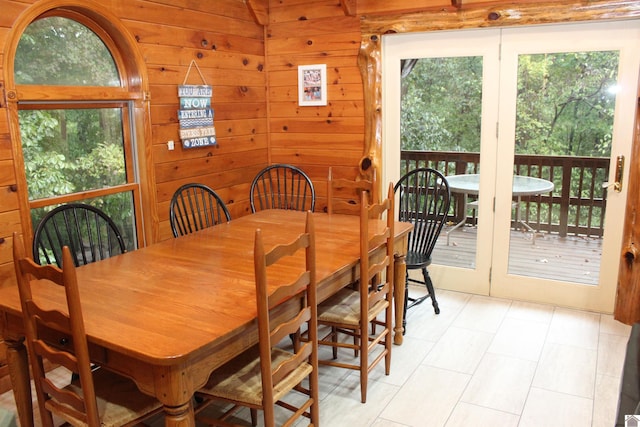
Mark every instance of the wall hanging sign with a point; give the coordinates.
(312, 84)
(195, 114)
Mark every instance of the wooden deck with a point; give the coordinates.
(570, 259)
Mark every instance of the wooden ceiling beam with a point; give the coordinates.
(349, 7)
(259, 9)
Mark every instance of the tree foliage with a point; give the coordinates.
(565, 104)
(60, 51)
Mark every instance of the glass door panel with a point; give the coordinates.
(564, 120)
(440, 112)
(567, 103)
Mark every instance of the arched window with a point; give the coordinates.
(75, 115)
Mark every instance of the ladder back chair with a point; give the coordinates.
(424, 199)
(282, 186)
(264, 375)
(351, 311)
(97, 398)
(194, 207)
(343, 195)
(90, 234)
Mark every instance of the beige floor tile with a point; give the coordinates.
(519, 338)
(605, 403)
(465, 415)
(424, 324)
(500, 383)
(459, 350)
(530, 311)
(343, 407)
(483, 314)
(381, 422)
(574, 327)
(430, 394)
(404, 361)
(608, 325)
(548, 408)
(567, 369)
(611, 353)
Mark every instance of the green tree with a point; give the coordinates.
(441, 105)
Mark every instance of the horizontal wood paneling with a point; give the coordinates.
(316, 137)
(5, 147)
(338, 109)
(213, 18)
(297, 10)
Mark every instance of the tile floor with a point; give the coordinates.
(485, 362)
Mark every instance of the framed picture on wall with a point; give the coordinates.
(312, 84)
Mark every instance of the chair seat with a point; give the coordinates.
(344, 308)
(240, 379)
(415, 260)
(119, 400)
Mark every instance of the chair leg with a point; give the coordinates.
(406, 304)
(432, 293)
(334, 338)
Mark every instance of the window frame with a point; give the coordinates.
(129, 97)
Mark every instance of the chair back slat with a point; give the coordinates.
(343, 195)
(90, 234)
(282, 186)
(196, 206)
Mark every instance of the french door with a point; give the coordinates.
(508, 64)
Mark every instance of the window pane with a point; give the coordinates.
(60, 51)
(67, 151)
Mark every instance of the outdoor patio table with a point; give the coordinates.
(469, 184)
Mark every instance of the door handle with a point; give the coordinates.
(617, 185)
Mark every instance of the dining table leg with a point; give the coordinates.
(399, 270)
(179, 416)
(18, 364)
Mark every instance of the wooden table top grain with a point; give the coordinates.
(168, 314)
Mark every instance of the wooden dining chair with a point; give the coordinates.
(194, 207)
(424, 199)
(90, 234)
(264, 375)
(96, 398)
(343, 195)
(352, 312)
(282, 186)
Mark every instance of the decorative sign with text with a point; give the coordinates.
(195, 114)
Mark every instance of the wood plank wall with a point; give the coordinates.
(315, 137)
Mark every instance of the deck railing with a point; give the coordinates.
(576, 206)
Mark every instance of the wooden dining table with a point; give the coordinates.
(168, 314)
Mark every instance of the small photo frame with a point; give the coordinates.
(312, 84)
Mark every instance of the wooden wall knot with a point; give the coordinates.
(631, 254)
